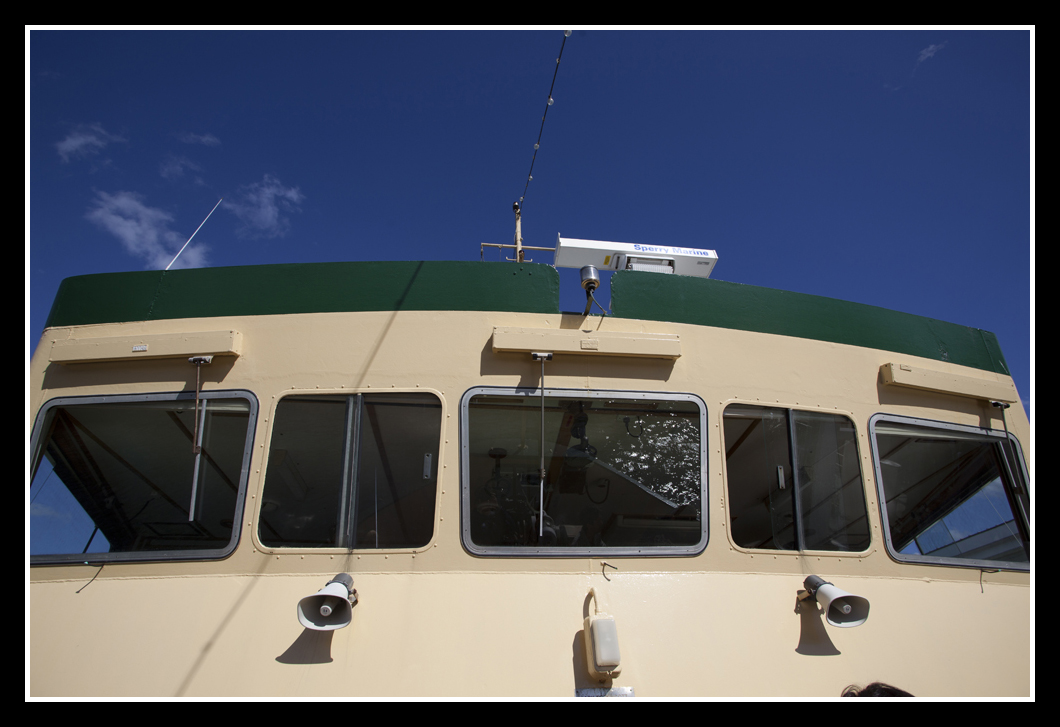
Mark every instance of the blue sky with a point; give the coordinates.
(887, 167)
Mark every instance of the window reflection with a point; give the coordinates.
(120, 476)
(619, 473)
(948, 495)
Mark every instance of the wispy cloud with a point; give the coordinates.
(926, 53)
(173, 167)
(930, 51)
(261, 207)
(144, 231)
(205, 139)
(85, 141)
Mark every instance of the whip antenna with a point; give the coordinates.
(566, 34)
(193, 234)
(517, 207)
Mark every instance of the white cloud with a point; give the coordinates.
(205, 139)
(144, 231)
(85, 141)
(173, 167)
(930, 51)
(260, 207)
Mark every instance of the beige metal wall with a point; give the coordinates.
(439, 622)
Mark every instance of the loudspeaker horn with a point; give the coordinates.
(841, 609)
(331, 607)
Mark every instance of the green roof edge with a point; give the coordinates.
(502, 286)
(705, 302)
(305, 288)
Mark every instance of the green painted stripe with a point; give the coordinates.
(528, 287)
(305, 288)
(704, 302)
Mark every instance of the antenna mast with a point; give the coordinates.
(518, 232)
(517, 207)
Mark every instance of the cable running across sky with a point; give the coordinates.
(530, 175)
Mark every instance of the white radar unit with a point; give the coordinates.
(572, 253)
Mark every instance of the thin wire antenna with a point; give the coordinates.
(566, 34)
(193, 234)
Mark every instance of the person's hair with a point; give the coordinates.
(876, 689)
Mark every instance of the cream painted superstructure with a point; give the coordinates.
(438, 621)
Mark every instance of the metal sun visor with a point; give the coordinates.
(575, 253)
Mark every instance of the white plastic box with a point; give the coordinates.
(574, 253)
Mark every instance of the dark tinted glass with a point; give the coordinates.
(619, 472)
(397, 476)
(354, 471)
(809, 499)
(949, 495)
(122, 477)
(303, 482)
(761, 494)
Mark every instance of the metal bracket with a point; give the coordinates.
(198, 361)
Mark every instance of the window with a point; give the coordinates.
(117, 477)
(794, 480)
(624, 472)
(358, 471)
(951, 494)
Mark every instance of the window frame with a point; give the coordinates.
(153, 555)
(793, 463)
(994, 434)
(580, 552)
(345, 504)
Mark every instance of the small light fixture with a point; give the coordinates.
(590, 277)
(602, 655)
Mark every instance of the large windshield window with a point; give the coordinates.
(120, 477)
(622, 472)
(951, 494)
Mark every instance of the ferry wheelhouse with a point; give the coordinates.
(524, 502)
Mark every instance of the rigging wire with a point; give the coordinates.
(530, 175)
